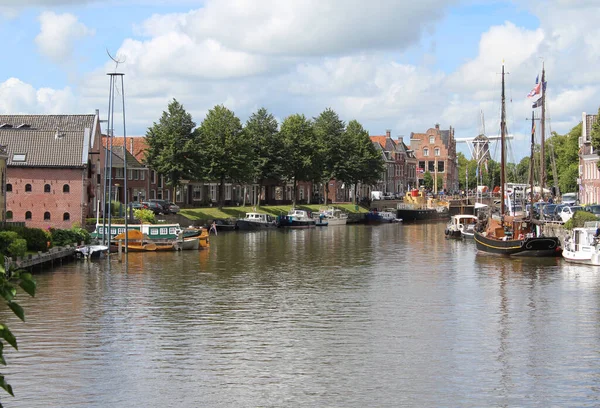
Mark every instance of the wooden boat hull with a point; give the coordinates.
(537, 246)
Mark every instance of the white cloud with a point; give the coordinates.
(18, 97)
(58, 33)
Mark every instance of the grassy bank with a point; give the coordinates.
(214, 213)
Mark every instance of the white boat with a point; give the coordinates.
(254, 220)
(389, 216)
(583, 245)
(297, 219)
(461, 226)
(335, 216)
(91, 251)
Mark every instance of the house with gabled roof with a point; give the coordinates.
(53, 174)
(589, 175)
(435, 152)
(399, 175)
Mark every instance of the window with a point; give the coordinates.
(436, 151)
(9, 215)
(19, 157)
(143, 175)
(152, 194)
(28, 215)
(152, 176)
(47, 188)
(196, 192)
(28, 188)
(66, 188)
(161, 181)
(431, 166)
(431, 139)
(440, 166)
(159, 195)
(136, 174)
(47, 216)
(98, 179)
(66, 217)
(130, 174)
(119, 174)
(8, 188)
(426, 152)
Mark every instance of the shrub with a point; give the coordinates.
(37, 239)
(17, 247)
(579, 219)
(6, 238)
(146, 216)
(71, 236)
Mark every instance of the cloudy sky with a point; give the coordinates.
(403, 65)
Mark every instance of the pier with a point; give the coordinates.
(54, 256)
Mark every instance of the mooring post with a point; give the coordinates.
(120, 249)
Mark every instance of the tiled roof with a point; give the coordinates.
(117, 159)
(380, 140)
(64, 123)
(42, 149)
(135, 144)
(34, 136)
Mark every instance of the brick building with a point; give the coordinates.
(435, 152)
(589, 175)
(53, 171)
(400, 164)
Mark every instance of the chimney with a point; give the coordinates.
(388, 133)
(437, 126)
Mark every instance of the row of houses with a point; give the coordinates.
(53, 171)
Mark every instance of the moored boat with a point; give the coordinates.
(297, 219)
(461, 226)
(255, 221)
(417, 207)
(583, 244)
(335, 216)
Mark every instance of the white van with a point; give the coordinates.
(376, 195)
(570, 199)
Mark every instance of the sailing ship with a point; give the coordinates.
(508, 235)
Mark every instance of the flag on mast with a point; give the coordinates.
(537, 103)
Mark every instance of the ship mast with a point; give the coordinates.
(531, 164)
(502, 147)
(543, 135)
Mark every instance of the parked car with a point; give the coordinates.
(136, 205)
(173, 208)
(569, 198)
(548, 212)
(568, 210)
(594, 209)
(163, 203)
(557, 211)
(155, 207)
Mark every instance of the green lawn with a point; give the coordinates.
(213, 213)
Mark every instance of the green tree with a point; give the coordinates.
(566, 152)
(261, 130)
(172, 148)
(329, 131)
(595, 135)
(428, 180)
(9, 282)
(226, 152)
(362, 163)
(300, 150)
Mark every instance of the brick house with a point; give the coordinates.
(400, 164)
(589, 175)
(435, 151)
(53, 172)
(3, 160)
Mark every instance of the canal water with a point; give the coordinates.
(350, 316)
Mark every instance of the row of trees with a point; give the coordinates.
(222, 149)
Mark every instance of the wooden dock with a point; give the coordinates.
(43, 260)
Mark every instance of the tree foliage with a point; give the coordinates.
(566, 152)
(300, 150)
(172, 149)
(261, 130)
(9, 282)
(359, 162)
(225, 150)
(329, 131)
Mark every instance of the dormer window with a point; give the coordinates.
(19, 157)
(431, 139)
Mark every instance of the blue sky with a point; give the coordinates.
(399, 65)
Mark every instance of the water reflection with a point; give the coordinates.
(390, 315)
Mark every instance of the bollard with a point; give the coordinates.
(120, 250)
